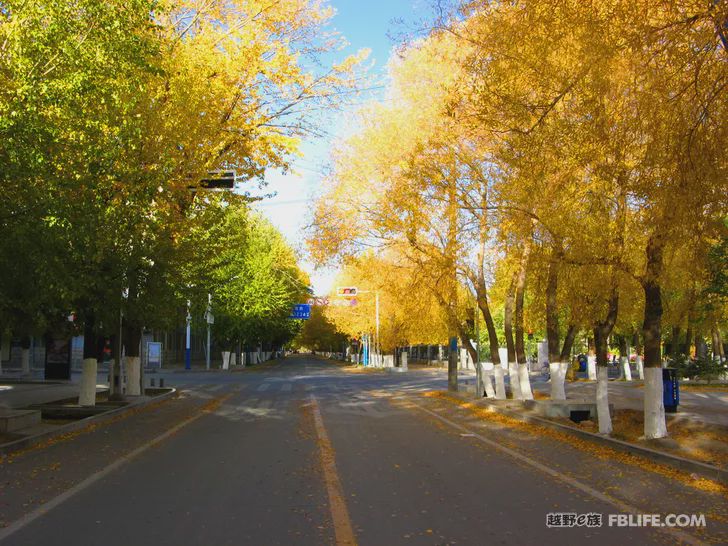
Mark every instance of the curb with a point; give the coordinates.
(29, 381)
(31, 441)
(679, 463)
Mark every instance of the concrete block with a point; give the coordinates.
(12, 420)
(562, 408)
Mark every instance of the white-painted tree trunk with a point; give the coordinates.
(133, 375)
(655, 425)
(525, 381)
(605, 420)
(87, 394)
(233, 358)
(515, 381)
(500, 384)
(225, 360)
(558, 375)
(591, 367)
(25, 361)
(640, 367)
(626, 370)
(403, 361)
(486, 373)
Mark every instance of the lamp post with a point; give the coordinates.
(188, 352)
(210, 319)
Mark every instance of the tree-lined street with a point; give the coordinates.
(245, 465)
(448, 272)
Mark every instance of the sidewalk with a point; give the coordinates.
(704, 406)
(18, 391)
(23, 423)
(698, 432)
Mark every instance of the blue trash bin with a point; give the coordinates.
(670, 389)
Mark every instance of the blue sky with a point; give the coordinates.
(364, 24)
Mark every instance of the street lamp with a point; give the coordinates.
(216, 181)
(210, 319)
(188, 352)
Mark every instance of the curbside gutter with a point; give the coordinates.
(679, 463)
(31, 441)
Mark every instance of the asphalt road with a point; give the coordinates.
(303, 451)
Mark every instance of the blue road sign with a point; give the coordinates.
(301, 311)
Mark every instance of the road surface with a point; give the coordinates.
(304, 451)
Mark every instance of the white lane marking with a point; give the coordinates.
(214, 388)
(263, 387)
(619, 505)
(92, 479)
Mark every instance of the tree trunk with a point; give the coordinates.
(602, 330)
(591, 360)
(625, 370)
(701, 347)
(688, 341)
(719, 339)
(510, 344)
(508, 321)
(523, 372)
(655, 425)
(25, 343)
(89, 370)
(482, 299)
(132, 339)
(472, 352)
(675, 343)
(519, 300)
(552, 312)
(565, 355)
(638, 363)
(600, 341)
(556, 367)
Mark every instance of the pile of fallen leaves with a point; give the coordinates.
(702, 442)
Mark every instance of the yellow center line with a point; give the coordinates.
(337, 504)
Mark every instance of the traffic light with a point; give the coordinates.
(216, 181)
(346, 291)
